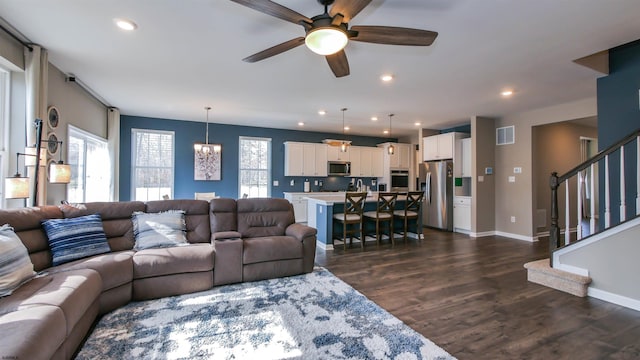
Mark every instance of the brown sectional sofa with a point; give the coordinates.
(229, 241)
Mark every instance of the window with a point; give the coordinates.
(152, 164)
(255, 167)
(88, 157)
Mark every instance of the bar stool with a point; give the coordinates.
(352, 215)
(411, 211)
(385, 207)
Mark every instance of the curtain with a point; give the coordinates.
(113, 143)
(36, 78)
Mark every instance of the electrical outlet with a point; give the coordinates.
(276, 183)
(315, 182)
(512, 179)
(480, 178)
(513, 219)
(292, 182)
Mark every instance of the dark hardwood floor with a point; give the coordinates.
(471, 297)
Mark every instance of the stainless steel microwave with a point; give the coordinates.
(339, 168)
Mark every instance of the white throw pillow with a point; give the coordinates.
(15, 265)
(156, 230)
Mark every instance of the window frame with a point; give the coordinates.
(134, 131)
(269, 168)
(5, 103)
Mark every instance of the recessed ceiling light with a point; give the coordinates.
(507, 93)
(386, 77)
(374, 118)
(385, 132)
(322, 112)
(417, 124)
(346, 128)
(125, 24)
(300, 123)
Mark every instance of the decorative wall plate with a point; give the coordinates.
(52, 145)
(53, 117)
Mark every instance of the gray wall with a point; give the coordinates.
(518, 198)
(484, 192)
(617, 277)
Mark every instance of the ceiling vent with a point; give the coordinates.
(505, 135)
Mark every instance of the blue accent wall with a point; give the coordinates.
(619, 115)
(189, 132)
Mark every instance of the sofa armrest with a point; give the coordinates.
(300, 232)
(225, 235)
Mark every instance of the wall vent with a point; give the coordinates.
(505, 135)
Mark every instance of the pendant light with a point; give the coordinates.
(344, 146)
(391, 149)
(206, 148)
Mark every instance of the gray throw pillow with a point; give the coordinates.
(156, 230)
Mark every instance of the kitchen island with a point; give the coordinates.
(321, 207)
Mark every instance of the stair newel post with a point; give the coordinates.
(554, 231)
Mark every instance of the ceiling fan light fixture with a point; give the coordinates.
(326, 40)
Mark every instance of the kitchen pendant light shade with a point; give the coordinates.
(326, 40)
(16, 187)
(391, 149)
(344, 147)
(59, 173)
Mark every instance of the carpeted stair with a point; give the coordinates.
(540, 272)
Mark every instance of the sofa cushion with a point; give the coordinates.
(223, 215)
(32, 333)
(156, 230)
(271, 248)
(75, 238)
(174, 260)
(115, 269)
(264, 217)
(15, 264)
(72, 291)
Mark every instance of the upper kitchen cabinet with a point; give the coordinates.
(305, 159)
(401, 157)
(465, 145)
(334, 154)
(366, 161)
(440, 147)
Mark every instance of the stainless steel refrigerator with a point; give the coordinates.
(436, 179)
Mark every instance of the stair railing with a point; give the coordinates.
(585, 173)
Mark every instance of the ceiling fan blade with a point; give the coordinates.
(348, 8)
(275, 50)
(338, 63)
(274, 9)
(394, 35)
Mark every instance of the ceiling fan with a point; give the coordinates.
(328, 33)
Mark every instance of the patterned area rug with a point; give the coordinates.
(311, 316)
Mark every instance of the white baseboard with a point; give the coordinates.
(482, 234)
(517, 236)
(323, 246)
(630, 303)
(571, 269)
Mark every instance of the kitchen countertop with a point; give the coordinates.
(331, 199)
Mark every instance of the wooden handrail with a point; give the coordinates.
(555, 181)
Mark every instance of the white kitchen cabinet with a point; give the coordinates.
(305, 159)
(299, 205)
(366, 161)
(462, 213)
(466, 157)
(401, 157)
(334, 154)
(438, 147)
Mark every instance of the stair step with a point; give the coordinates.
(540, 272)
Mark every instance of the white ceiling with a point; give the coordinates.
(187, 54)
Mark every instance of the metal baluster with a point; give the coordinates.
(554, 231)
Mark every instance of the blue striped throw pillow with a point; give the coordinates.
(15, 265)
(75, 238)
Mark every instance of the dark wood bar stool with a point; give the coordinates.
(411, 212)
(352, 216)
(385, 207)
